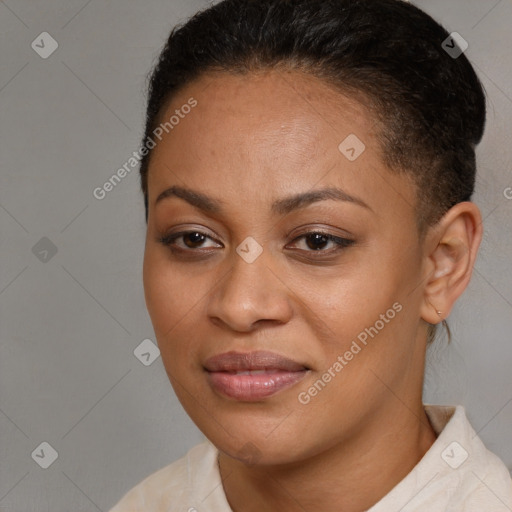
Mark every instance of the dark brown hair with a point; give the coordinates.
(429, 105)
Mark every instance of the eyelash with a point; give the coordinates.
(342, 243)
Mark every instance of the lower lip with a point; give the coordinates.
(250, 388)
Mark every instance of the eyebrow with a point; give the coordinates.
(281, 206)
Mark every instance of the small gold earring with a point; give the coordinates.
(439, 313)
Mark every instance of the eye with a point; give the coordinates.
(191, 240)
(317, 240)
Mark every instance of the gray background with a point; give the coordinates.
(70, 324)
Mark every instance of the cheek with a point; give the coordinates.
(361, 302)
(346, 299)
(156, 291)
(168, 298)
(174, 300)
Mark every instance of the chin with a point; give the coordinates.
(244, 441)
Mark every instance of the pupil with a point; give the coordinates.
(193, 238)
(317, 237)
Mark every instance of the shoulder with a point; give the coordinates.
(172, 484)
(457, 474)
(485, 484)
(481, 479)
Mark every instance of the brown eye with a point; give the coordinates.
(195, 239)
(316, 241)
(190, 240)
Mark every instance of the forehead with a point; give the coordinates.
(291, 105)
(258, 135)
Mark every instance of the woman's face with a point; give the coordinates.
(252, 277)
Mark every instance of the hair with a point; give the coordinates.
(429, 107)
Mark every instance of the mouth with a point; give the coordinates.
(252, 376)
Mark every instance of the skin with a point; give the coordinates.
(251, 140)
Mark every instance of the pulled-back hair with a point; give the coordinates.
(388, 54)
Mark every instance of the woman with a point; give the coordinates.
(307, 172)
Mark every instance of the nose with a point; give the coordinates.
(250, 294)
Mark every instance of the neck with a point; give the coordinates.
(351, 476)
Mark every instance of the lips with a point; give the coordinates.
(252, 376)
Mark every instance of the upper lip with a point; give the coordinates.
(259, 360)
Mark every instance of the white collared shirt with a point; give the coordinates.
(457, 474)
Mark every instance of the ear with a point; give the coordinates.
(451, 249)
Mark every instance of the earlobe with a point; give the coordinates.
(450, 260)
